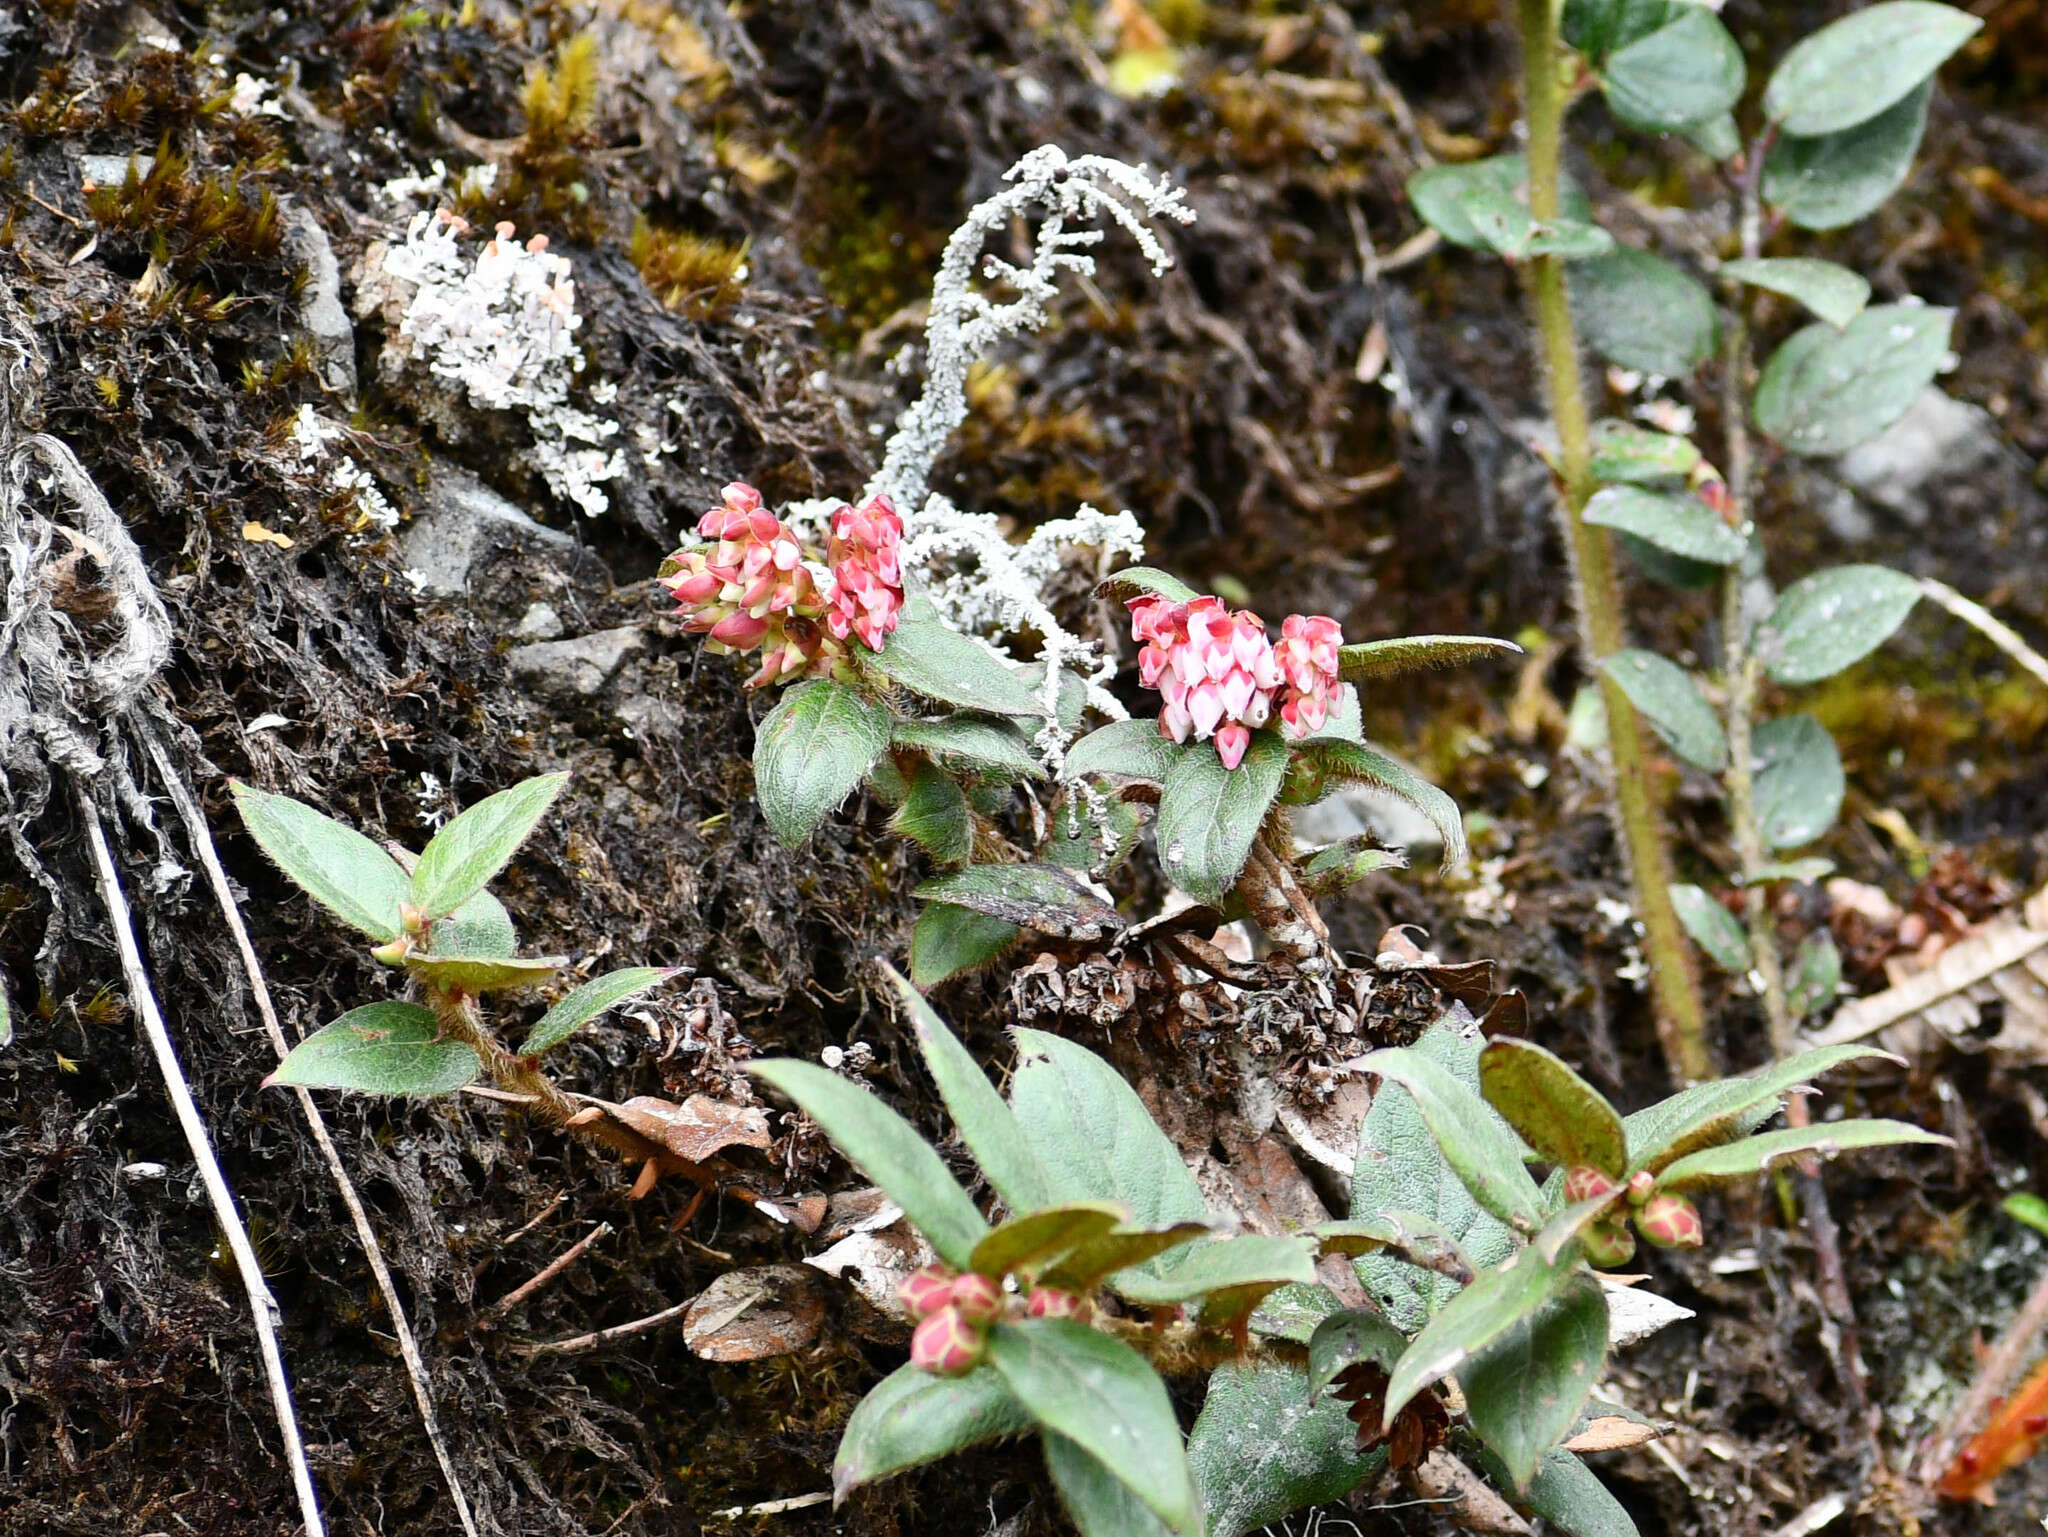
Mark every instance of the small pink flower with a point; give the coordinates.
(1054, 1302)
(946, 1344)
(977, 1299)
(748, 588)
(1308, 660)
(925, 1291)
(1231, 743)
(867, 574)
(1671, 1222)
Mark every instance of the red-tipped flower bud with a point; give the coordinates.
(1608, 1243)
(1641, 1185)
(946, 1344)
(978, 1299)
(1585, 1182)
(1053, 1302)
(925, 1291)
(1670, 1222)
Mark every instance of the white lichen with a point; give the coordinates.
(322, 454)
(977, 578)
(501, 327)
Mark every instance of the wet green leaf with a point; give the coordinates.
(1524, 1390)
(1105, 1398)
(1832, 620)
(1374, 659)
(947, 940)
(1043, 897)
(1128, 749)
(1826, 390)
(1264, 1447)
(1678, 522)
(1357, 762)
(1623, 451)
(380, 1048)
(1710, 1113)
(1712, 927)
(1477, 1143)
(1689, 71)
(1815, 977)
(1666, 696)
(1035, 1240)
(1799, 783)
(1835, 179)
(1097, 1502)
(934, 815)
(1853, 69)
(994, 749)
(1498, 1302)
(1756, 1155)
(1832, 292)
(1642, 312)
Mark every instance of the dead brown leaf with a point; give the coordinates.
(749, 1315)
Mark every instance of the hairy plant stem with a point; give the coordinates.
(1681, 1021)
(1742, 672)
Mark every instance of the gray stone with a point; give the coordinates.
(112, 170)
(466, 523)
(321, 312)
(576, 668)
(539, 622)
(1356, 810)
(1938, 441)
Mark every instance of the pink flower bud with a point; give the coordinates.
(1231, 743)
(1585, 1182)
(925, 1291)
(1053, 1302)
(978, 1299)
(1640, 1186)
(1670, 1222)
(1607, 1244)
(740, 631)
(946, 1344)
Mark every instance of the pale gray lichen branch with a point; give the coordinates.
(965, 322)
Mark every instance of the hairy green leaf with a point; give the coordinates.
(913, 1417)
(1826, 390)
(1567, 1494)
(1264, 1446)
(1852, 69)
(1043, 897)
(1678, 522)
(1209, 815)
(1498, 1302)
(1411, 653)
(1368, 765)
(582, 1004)
(1033, 1241)
(812, 751)
(888, 1150)
(1127, 749)
(1097, 1502)
(1103, 1396)
(1356, 1334)
(1815, 977)
(484, 974)
(1710, 1113)
(1142, 581)
(1559, 1114)
(478, 843)
(1438, 194)
(1120, 1249)
(479, 928)
(334, 865)
(948, 939)
(1477, 1143)
(932, 659)
(1750, 1156)
(380, 1048)
(1524, 1390)
(1248, 1264)
(1832, 620)
(991, 748)
(1666, 696)
(934, 815)
(1799, 783)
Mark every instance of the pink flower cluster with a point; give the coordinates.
(749, 589)
(1220, 676)
(953, 1312)
(867, 580)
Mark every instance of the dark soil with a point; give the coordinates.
(838, 143)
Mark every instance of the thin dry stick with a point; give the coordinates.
(262, 1306)
(591, 1341)
(408, 1347)
(2000, 634)
(555, 1267)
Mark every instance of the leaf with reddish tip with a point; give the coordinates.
(1557, 1112)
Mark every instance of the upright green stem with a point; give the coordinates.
(1739, 664)
(1681, 1022)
